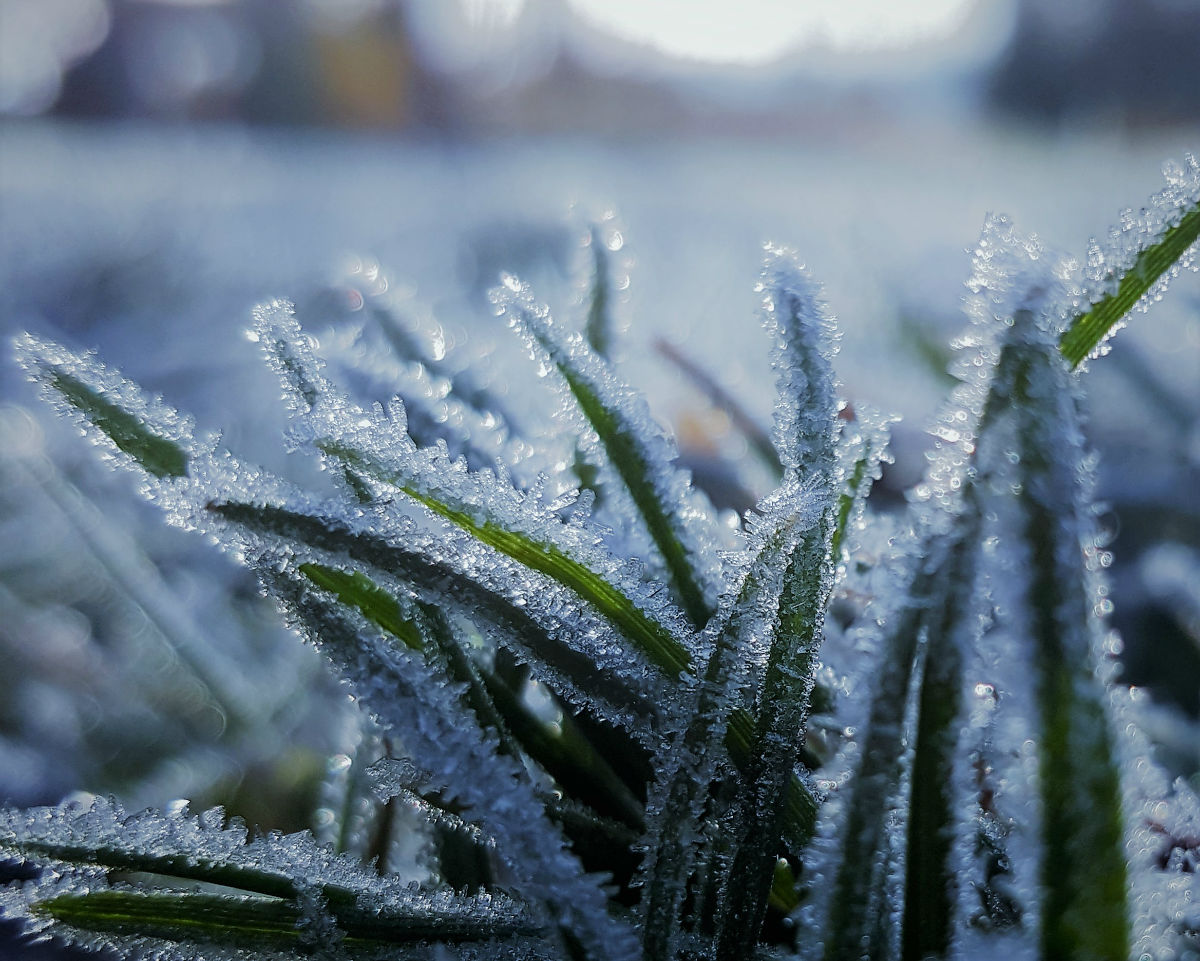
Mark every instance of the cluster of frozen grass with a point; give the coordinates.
(616, 705)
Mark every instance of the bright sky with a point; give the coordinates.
(756, 31)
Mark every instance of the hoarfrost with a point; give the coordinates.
(99, 848)
(804, 337)
(389, 345)
(375, 445)
(636, 457)
(682, 813)
(1120, 253)
(493, 790)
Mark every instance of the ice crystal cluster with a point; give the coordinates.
(616, 726)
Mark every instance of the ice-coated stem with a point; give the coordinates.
(682, 799)
(654, 640)
(1084, 914)
(781, 714)
(1090, 327)
(611, 410)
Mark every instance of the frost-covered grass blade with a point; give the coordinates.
(1084, 913)
(1138, 260)
(117, 874)
(1090, 328)
(599, 325)
(652, 638)
(157, 455)
(133, 423)
(565, 753)
(543, 643)
(621, 423)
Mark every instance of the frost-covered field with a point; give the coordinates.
(145, 665)
(153, 245)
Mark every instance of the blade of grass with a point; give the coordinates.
(690, 785)
(375, 604)
(1091, 326)
(781, 713)
(861, 458)
(436, 580)
(939, 603)
(257, 922)
(564, 753)
(621, 442)
(599, 320)
(929, 879)
(154, 453)
(758, 439)
(634, 461)
(650, 637)
(1084, 913)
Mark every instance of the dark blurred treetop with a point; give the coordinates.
(1128, 62)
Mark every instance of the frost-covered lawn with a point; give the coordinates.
(153, 246)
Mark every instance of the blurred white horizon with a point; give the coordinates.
(600, 67)
(848, 36)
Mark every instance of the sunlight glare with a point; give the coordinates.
(758, 31)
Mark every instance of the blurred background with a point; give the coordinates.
(166, 164)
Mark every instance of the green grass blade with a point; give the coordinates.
(856, 898)
(800, 806)
(930, 883)
(622, 443)
(154, 453)
(272, 877)
(598, 327)
(637, 463)
(921, 640)
(1089, 328)
(437, 581)
(248, 923)
(562, 751)
(759, 440)
(781, 713)
(559, 748)
(1084, 914)
(852, 494)
(762, 615)
(862, 451)
(176, 864)
(650, 637)
(265, 923)
(567, 755)
(356, 590)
